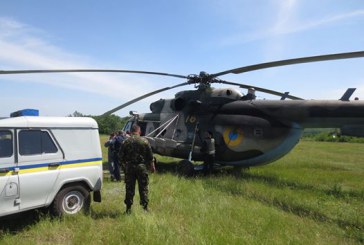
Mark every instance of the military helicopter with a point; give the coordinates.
(247, 132)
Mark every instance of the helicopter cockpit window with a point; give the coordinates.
(6, 143)
(178, 104)
(231, 94)
(143, 127)
(127, 127)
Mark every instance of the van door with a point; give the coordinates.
(9, 181)
(39, 160)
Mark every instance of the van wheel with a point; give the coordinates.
(71, 200)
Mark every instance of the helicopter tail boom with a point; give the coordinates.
(306, 113)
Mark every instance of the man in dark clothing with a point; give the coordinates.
(136, 154)
(250, 96)
(110, 155)
(208, 150)
(117, 143)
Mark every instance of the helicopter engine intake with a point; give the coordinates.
(178, 104)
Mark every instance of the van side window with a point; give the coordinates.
(6, 143)
(33, 142)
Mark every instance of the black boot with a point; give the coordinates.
(145, 207)
(128, 210)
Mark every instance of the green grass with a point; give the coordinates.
(314, 195)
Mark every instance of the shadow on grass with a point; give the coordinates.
(15, 223)
(18, 222)
(167, 167)
(352, 228)
(275, 181)
(112, 214)
(173, 168)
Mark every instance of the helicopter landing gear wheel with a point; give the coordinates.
(185, 168)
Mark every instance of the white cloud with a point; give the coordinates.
(307, 24)
(287, 22)
(25, 47)
(286, 12)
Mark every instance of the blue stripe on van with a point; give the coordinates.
(40, 165)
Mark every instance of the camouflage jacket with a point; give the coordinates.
(136, 150)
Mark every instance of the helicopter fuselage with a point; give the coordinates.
(246, 132)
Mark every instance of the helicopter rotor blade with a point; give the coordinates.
(89, 70)
(142, 97)
(264, 90)
(292, 62)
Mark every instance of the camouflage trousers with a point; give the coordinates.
(134, 173)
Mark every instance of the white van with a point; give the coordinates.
(49, 161)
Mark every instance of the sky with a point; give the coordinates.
(178, 37)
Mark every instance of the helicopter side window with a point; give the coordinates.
(142, 125)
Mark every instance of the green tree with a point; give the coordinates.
(76, 114)
(107, 124)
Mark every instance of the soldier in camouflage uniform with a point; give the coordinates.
(136, 155)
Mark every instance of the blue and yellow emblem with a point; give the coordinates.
(233, 136)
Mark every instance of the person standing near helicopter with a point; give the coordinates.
(250, 96)
(110, 155)
(208, 150)
(137, 156)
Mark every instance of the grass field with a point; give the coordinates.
(314, 195)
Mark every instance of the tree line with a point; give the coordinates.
(107, 124)
(330, 135)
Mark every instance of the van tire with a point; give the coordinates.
(71, 200)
